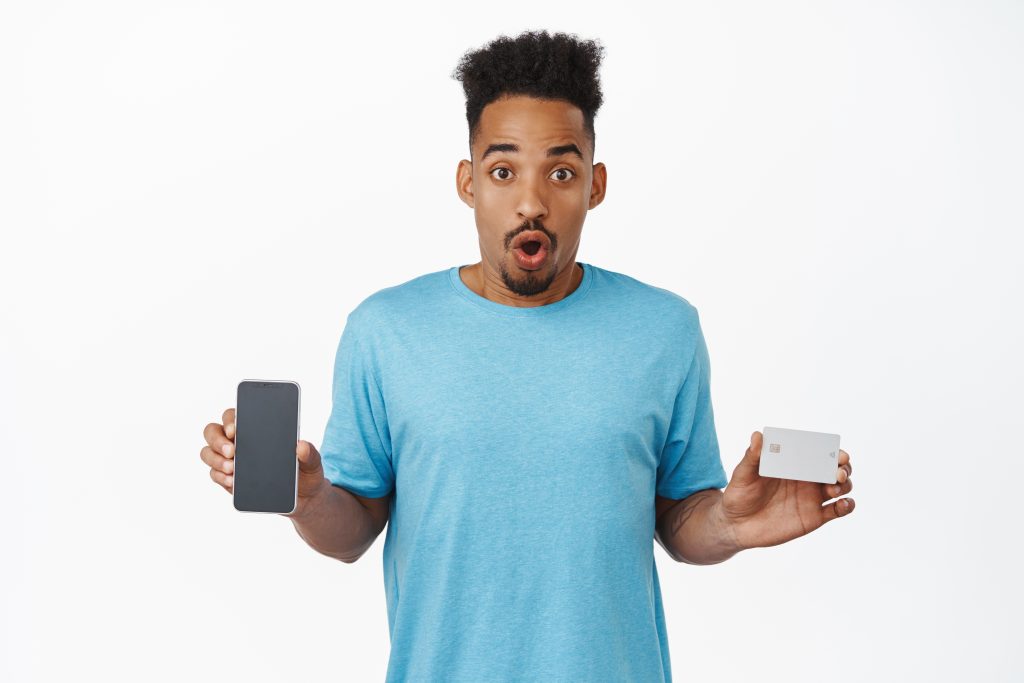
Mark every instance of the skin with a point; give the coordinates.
(538, 190)
(533, 193)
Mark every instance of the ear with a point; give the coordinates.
(598, 185)
(464, 181)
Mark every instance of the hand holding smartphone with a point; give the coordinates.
(219, 454)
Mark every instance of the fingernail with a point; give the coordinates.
(230, 480)
(227, 449)
(229, 465)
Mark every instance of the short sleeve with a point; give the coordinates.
(356, 449)
(690, 460)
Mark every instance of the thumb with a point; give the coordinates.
(309, 457)
(747, 470)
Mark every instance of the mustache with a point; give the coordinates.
(531, 225)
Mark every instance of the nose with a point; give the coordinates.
(531, 205)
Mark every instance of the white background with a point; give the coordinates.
(192, 193)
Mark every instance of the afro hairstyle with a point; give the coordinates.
(534, 63)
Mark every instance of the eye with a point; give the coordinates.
(571, 173)
(508, 173)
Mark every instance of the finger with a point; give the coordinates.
(216, 461)
(214, 435)
(844, 462)
(228, 418)
(225, 480)
(840, 508)
(836, 490)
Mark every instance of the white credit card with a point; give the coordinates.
(796, 454)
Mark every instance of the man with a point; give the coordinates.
(525, 425)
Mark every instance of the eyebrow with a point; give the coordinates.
(559, 150)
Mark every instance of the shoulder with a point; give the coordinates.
(395, 302)
(654, 303)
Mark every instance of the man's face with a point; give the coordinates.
(531, 182)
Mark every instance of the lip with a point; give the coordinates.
(524, 260)
(532, 235)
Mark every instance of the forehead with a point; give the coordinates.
(530, 122)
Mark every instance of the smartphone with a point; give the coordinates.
(266, 434)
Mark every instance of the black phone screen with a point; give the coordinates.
(266, 434)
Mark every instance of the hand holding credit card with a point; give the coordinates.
(781, 490)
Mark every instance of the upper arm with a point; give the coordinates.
(356, 448)
(690, 459)
(661, 506)
(380, 508)
(663, 515)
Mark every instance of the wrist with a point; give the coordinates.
(726, 526)
(306, 506)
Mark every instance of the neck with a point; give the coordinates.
(487, 283)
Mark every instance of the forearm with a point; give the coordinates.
(694, 530)
(336, 524)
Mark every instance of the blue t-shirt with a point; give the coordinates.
(524, 448)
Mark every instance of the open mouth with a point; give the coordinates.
(531, 241)
(531, 247)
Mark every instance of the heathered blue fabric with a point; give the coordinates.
(524, 448)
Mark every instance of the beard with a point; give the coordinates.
(531, 282)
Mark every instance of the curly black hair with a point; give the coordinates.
(550, 67)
